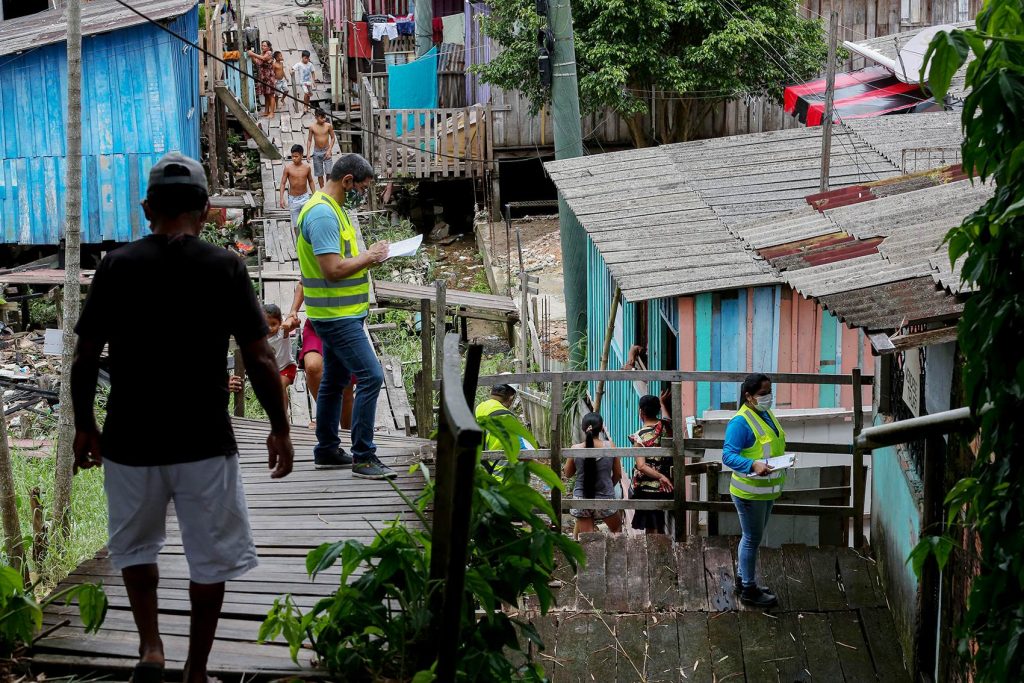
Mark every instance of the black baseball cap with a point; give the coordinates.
(174, 168)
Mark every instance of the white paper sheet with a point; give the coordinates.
(406, 247)
(781, 462)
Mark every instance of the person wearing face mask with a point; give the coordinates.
(336, 289)
(753, 436)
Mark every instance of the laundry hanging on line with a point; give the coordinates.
(413, 86)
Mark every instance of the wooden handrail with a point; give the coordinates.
(664, 376)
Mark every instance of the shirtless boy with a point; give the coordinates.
(296, 177)
(320, 143)
(280, 77)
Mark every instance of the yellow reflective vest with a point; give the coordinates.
(767, 444)
(328, 299)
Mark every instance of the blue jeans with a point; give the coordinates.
(347, 353)
(753, 520)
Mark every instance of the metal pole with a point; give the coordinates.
(565, 114)
(830, 86)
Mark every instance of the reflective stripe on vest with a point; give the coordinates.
(767, 444)
(326, 299)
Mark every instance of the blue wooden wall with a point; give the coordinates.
(140, 100)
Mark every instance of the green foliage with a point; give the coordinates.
(21, 615)
(382, 625)
(42, 311)
(218, 236)
(990, 243)
(706, 50)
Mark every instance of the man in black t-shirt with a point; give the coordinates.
(167, 306)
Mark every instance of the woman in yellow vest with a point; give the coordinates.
(753, 436)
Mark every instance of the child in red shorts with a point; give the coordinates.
(279, 342)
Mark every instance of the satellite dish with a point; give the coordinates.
(910, 56)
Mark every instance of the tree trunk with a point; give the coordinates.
(635, 123)
(72, 268)
(14, 544)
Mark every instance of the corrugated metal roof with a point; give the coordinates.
(140, 98)
(887, 47)
(885, 254)
(98, 16)
(661, 217)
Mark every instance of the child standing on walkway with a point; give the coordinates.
(595, 478)
(297, 179)
(279, 340)
(320, 146)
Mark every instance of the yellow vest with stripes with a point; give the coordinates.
(326, 299)
(767, 444)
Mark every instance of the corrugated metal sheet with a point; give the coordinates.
(98, 16)
(140, 100)
(882, 264)
(661, 217)
(886, 45)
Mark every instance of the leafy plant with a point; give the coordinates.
(990, 242)
(700, 52)
(21, 616)
(380, 626)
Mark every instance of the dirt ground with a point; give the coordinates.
(460, 265)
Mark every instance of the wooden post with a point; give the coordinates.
(556, 448)
(440, 288)
(858, 463)
(606, 346)
(925, 654)
(678, 461)
(13, 544)
(830, 86)
(296, 100)
(240, 396)
(712, 479)
(425, 387)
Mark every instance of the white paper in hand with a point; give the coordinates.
(406, 247)
(781, 462)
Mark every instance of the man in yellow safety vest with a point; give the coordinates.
(336, 287)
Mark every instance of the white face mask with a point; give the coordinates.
(765, 402)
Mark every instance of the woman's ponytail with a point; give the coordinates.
(593, 423)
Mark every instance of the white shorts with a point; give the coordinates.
(210, 506)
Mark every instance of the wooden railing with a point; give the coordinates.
(458, 438)
(425, 143)
(689, 452)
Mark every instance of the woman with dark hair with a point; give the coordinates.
(753, 436)
(595, 478)
(265, 77)
(652, 477)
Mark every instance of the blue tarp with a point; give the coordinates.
(413, 86)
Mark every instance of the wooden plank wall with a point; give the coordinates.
(516, 127)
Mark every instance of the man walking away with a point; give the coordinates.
(336, 287)
(167, 434)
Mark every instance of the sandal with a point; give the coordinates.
(148, 672)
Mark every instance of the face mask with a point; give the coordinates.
(765, 402)
(355, 197)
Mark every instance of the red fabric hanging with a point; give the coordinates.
(359, 40)
(438, 27)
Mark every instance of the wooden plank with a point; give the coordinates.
(632, 648)
(857, 580)
(547, 628)
(661, 567)
(826, 584)
(720, 577)
(759, 633)
(572, 650)
(600, 664)
(694, 647)
(637, 584)
(854, 656)
(615, 598)
(820, 648)
(770, 566)
(693, 591)
(591, 578)
(663, 648)
(726, 646)
(884, 643)
(792, 666)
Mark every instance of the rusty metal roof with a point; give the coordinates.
(98, 16)
(877, 252)
(667, 219)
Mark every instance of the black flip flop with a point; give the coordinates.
(148, 672)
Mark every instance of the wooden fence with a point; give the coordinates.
(688, 452)
(425, 143)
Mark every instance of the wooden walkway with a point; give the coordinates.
(644, 609)
(289, 518)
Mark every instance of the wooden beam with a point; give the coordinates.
(251, 127)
